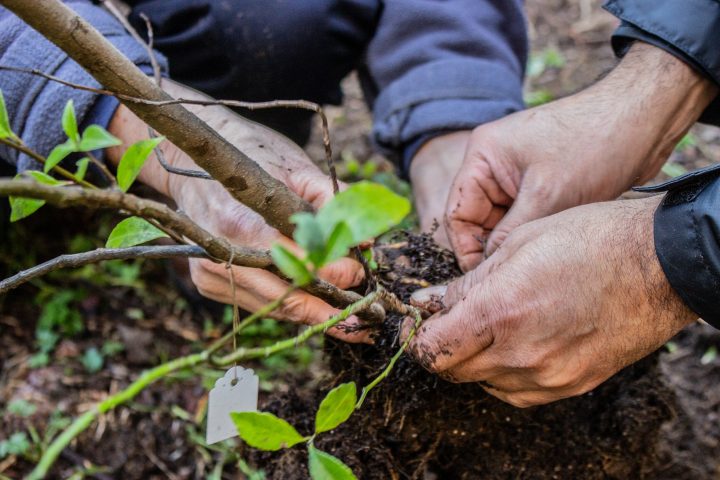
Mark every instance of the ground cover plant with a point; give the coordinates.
(412, 425)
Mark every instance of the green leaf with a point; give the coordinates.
(96, 137)
(23, 207)
(92, 360)
(673, 170)
(42, 177)
(265, 431)
(338, 244)
(324, 466)
(291, 265)
(309, 235)
(133, 231)
(58, 154)
(133, 160)
(82, 166)
(336, 407)
(368, 209)
(5, 129)
(17, 444)
(69, 122)
(21, 408)
(709, 356)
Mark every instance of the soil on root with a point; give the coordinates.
(415, 425)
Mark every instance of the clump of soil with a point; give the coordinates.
(416, 425)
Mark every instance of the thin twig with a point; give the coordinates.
(300, 104)
(157, 75)
(21, 147)
(100, 255)
(386, 371)
(101, 166)
(151, 48)
(216, 247)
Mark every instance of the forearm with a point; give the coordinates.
(661, 96)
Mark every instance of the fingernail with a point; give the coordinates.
(431, 298)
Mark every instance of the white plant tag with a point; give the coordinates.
(230, 396)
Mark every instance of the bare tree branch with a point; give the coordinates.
(216, 247)
(246, 181)
(100, 255)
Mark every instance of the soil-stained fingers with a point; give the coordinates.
(477, 202)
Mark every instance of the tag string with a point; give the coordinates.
(235, 311)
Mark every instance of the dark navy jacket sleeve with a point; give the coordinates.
(444, 65)
(35, 104)
(687, 223)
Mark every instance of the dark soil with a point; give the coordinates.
(416, 425)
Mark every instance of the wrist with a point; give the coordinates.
(433, 169)
(661, 97)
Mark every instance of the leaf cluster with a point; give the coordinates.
(265, 431)
(358, 214)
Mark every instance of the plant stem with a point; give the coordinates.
(21, 147)
(393, 360)
(84, 421)
(260, 352)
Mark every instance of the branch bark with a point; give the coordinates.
(100, 255)
(242, 177)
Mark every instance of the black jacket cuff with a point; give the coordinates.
(687, 239)
(688, 29)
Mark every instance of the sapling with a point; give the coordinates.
(352, 218)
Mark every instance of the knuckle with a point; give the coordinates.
(295, 308)
(201, 274)
(519, 400)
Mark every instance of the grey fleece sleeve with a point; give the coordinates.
(443, 65)
(34, 104)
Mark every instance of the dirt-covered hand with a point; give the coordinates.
(432, 171)
(212, 207)
(565, 302)
(588, 147)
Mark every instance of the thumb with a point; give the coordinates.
(437, 298)
(533, 202)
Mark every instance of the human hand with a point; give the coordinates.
(212, 207)
(432, 171)
(564, 303)
(588, 147)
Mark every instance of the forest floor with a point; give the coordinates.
(117, 319)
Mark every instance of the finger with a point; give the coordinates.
(344, 273)
(475, 205)
(313, 186)
(535, 200)
(256, 288)
(430, 299)
(459, 288)
(452, 336)
(304, 308)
